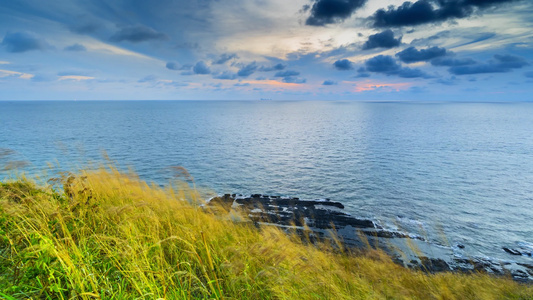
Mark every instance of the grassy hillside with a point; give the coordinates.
(109, 235)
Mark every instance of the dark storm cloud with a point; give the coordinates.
(201, 68)
(329, 82)
(18, 42)
(177, 67)
(293, 79)
(226, 75)
(247, 70)
(411, 73)
(452, 62)
(288, 73)
(343, 65)
(136, 34)
(332, 11)
(429, 11)
(224, 58)
(510, 61)
(500, 64)
(382, 64)
(277, 67)
(75, 47)
(383, 39)
(477, 69)
(412, 55)
(387, 65)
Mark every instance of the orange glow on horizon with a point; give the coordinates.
(369, 86)
(272, 83)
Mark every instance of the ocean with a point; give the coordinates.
(455, 173)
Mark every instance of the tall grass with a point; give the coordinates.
(109, 235)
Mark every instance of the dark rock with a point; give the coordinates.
(256, 199)
(397, 261)
(511, 251)
(520, 275)
(225, 202)
(434, 264)
(478, 265)
(323, 215)
(319, 214)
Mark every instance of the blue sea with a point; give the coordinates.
(456, 173)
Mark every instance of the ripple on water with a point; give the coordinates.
(464, 167)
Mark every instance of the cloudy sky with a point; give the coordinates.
(465, 50)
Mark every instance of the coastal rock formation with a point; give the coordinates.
(322, 217)
(291, 211)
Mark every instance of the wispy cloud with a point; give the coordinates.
(283, 47)
(75, 77)
(8, 73)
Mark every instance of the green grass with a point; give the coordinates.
(109, 235)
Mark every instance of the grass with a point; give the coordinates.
(109, 235)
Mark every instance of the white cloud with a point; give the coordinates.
(98, 46)
(75, 77)
(8, 73)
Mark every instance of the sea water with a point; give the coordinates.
(456, 173)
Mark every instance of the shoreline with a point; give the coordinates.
(107, 234)
(326, 220)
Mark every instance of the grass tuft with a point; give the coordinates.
(109, 235)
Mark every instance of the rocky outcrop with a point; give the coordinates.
(319, 214)
(316, 219)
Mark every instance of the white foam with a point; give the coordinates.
(411, 221)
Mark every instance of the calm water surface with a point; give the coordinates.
(462, 169)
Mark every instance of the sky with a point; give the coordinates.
(423, 50)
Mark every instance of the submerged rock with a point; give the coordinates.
(517, 251)
(511, 251)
